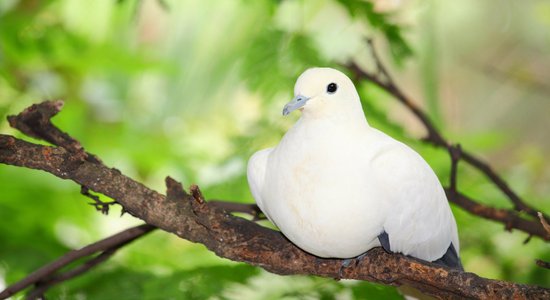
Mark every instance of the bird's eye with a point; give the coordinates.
(331, 88)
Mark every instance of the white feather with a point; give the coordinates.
(333, 183)
(256, 175)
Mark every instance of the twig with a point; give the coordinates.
(544, 222)
(35, 121)
(196, 193)
(251, 209)
(510, 218)
(111, 243)
(455, 152)
(519, 205)
(380, 68)
(99, 205)
(527, 239)
(543, 264)
(43, 285)
(433, 136)
(242, 240)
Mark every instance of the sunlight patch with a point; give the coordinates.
(71, 235)
(2, 279)
(214, 174)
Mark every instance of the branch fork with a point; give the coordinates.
(511, 218)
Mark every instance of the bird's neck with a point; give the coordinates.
(351, 119)
(348, 122)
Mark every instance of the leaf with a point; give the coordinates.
(399, 47)
(275, 58)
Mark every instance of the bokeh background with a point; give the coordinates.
(192, 88)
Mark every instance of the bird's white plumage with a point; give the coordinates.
(334, 183)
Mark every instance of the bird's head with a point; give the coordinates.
(321, 92)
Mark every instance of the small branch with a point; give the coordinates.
(43, 285)
(543, 222)
(380, 68)
(433, 135)
(510, 218)
(519, 205)
(251, 209)
(196, 193)
(455, 152)
(111, 243)
(543, 264)
(99, 205)
(35, 121)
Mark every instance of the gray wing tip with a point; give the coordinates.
(384, 240)
(450, 259)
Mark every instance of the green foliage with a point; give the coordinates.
(399, 47)
(125, 283)
(280, 56)
(191, 89)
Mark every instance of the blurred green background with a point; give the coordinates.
(191, 89)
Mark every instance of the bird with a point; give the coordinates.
(337, 187)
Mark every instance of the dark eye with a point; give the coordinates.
(331, 88)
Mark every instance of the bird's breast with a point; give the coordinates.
(319, 195)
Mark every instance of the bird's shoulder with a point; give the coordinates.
(387, 149)
(395, 162)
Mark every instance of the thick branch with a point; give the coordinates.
(241, 240)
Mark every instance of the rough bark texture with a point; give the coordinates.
(189, 217)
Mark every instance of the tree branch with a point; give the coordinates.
(242, 240)
(544, 223)
(43, 277)
(510, 218)
(383, 79)
(455, 152)
(543, 264)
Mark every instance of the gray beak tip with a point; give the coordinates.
(298, 102)
(285, 111)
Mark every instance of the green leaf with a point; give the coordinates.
(365, 10)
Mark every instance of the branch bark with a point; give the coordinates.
(241, 240)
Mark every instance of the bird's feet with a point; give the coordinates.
(347, 262)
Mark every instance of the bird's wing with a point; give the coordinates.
(419, 221)
(256, 175)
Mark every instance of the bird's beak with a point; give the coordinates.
(298, 102)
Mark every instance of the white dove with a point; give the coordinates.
(337, 187)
